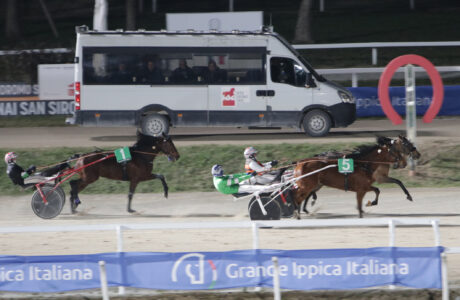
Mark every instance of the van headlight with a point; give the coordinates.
(346, 97)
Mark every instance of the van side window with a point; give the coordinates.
(288, 71)
(173, 66)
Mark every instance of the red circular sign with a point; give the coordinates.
(385, 79)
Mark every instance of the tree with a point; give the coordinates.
(130, 14)
(11, 20)
(304, 21)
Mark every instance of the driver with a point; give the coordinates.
(15, 171)
(235, 183)
(253, 166)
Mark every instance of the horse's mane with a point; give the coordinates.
(144, 141)
(356, 153)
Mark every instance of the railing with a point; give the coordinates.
(376, 45)
(255, 225)
(355, 72)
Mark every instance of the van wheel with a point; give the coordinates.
(316, 123)
(155, 125)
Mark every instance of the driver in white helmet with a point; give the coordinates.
(261, 170)
(15, 171)
(235, 183)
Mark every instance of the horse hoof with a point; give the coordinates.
(131, 211)
(166, 195)
(409, 198)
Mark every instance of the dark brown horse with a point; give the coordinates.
(138, 169)
(367, 156)
(401, 147)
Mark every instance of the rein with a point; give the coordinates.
(93, 154)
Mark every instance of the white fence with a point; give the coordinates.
(254, 226)
(355, 73)
(376, 45)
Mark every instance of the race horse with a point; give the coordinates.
(367, 158)
(400, 146)
(138, 169)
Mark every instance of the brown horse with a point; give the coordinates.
(366, 156)
(401, 147)
(138, 169)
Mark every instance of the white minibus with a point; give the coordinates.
(158, 79)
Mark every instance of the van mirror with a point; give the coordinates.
(310, 82)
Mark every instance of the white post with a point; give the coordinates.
(276, 279)
(255, 236)
(354, 80)
(411, 115)
(230, 5)
(121, 289)
(103, 278)
(445, 280)
(391, 228)
(321, 5)
(437, 238)
(412, 4)
(154, 6)
(374, 56)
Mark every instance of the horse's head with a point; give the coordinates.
(408, 147)
(157, 144)
(395, 149)
(164, 144)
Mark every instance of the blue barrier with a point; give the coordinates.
(368, 104)
(298, 269)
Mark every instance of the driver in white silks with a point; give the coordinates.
(260, 170)
(236, 183)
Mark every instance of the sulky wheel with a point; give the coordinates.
(54, 202)
(272, 207)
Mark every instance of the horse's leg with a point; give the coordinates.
(163, 182)
(132, 188)
(314, 196)
(359, 198)
(376, 200)
(76, 186)
(398, 182)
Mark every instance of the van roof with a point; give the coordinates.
(264, 31)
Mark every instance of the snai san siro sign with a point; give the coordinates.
(20, 99)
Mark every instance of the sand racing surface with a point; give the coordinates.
(442, 204)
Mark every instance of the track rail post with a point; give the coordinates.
(103, 278)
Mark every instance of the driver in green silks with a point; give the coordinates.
(235, 183)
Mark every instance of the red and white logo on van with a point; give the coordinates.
(70, 90)
(228, 98)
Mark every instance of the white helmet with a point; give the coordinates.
(10, 157)
(217, 171)
(249, 152)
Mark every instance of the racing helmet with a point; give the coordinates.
(249, 152)
(217, 171)
(10, 157)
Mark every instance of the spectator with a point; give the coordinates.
(183, 73)
(214, 74)
(151, 74)
(122, 75)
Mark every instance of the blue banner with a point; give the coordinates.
(368, 104)
(299, 269)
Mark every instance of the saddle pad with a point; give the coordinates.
(122, 154)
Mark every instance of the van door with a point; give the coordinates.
(289, 93)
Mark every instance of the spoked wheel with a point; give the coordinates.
(55, 199)
(272, 208)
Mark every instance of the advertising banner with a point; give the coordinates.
(368, 104)
(298, 269)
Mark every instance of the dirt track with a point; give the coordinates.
(442, 204)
